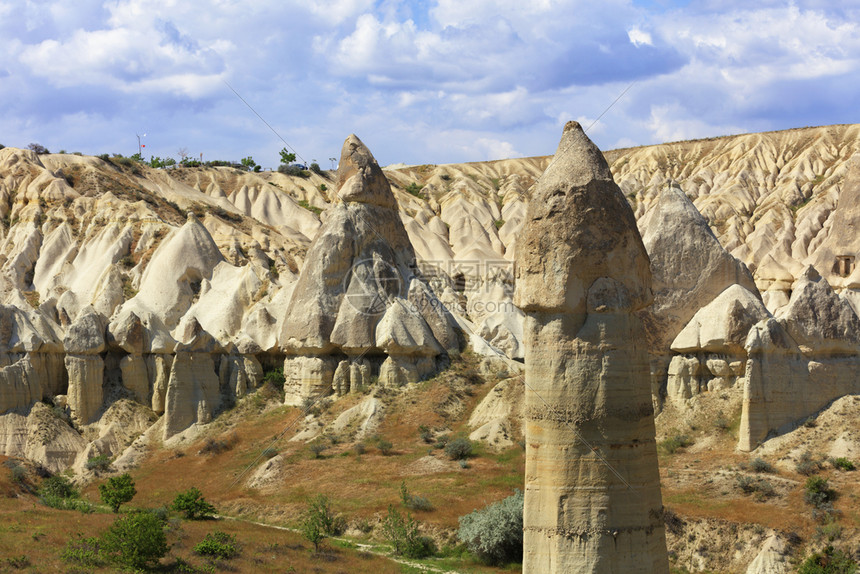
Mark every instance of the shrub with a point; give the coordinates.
(414, 189)
(459, 449)
(18, 562)
(384, 446)
(270, 452)
(403, 534)
(842, 463)
(275, 377)
(18, 474)
(761, 488)
(97, 463)
(219, 445)
(829, 561)
(192, 504)
(38, 148)
(359, 448)
(218, 545)
(425, 434)
(315, 167)
(413, 501)
(57, 486)
(806, 465)
(830, 531)
(292, 170)
(760, 465)
(135, 540)
(84, 552)
(495, 533)
(319, 521)
(675, 443)
(317, 449)
(817, 492)
(117, 491)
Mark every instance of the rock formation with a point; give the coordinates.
(592, 493)
(690, 268)
(711, 354)
(357, 308)
(800, 362)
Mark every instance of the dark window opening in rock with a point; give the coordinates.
(844, 265)
(459, 283)
(195, 287)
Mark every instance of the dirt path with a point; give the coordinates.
(363, 547)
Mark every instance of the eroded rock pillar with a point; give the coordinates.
(592, 492)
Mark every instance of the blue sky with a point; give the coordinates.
(419, 81)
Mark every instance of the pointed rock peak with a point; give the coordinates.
(360, 177)
(810, 273)
(578, 228)
(577, 160)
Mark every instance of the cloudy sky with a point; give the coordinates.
(419, 81)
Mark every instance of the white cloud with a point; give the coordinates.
(639, 38)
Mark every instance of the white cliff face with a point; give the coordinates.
(592, 493)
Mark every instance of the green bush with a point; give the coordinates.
(293, 170)
(317, 448)
(842, 463)
(117, 491)
(675, 443)
(218, 545)
(85, 552)
(761, 488)
(58, 486)
(829, 561)
(315, 167)
(18, 474)
(58, 492)
(495, 533)
(760, 465)
(817, 492)
(425, 434)
(384, 446)
(275, 377)
(413, 501)
(135, 540)
(100, 462)
(402, 533)
(319, 521)
(192, 504)
(459, 449)
(806, 465)
(414, 189)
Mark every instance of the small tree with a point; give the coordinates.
(319, 521)
(495, 533)
(249, 163)
(57, 486)
(829, 561)
(192, 504)
(287, 157)
(136, 540)
(459, 449)
(38, 148)
(403, 534)
(117, 491)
